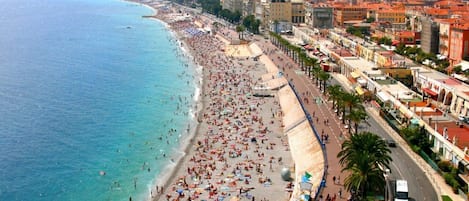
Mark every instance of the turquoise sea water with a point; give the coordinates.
(88, 86)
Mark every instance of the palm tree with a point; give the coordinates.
(316, 70)
(323, 77)
(349, 100)
(334, 92)
(240, 29)
(215, 27)
(357, 115)
(362, 154)
(309, 62)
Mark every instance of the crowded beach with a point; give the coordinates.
(246, 147)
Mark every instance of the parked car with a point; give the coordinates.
(464, 119)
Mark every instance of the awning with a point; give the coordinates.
(406, 112)
(383, 96)
(359, 90)
(429, 92)
(354, 74)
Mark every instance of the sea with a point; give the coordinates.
(96, 102)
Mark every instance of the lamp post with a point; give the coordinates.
(386, 177)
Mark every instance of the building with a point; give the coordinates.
(279, 15)
(342, 14)
(430, 41)
(233, 5)
(298, 12)
(395, 16)
(249, 7)
(459, 43)
(321, 17)
(445, 35)
(407, 37)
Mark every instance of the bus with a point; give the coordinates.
(402, 191)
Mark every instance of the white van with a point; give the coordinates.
(402, 191)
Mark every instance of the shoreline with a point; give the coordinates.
(164, 178)
(215, 182)
(204, 171)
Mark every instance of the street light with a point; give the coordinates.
(386, 176)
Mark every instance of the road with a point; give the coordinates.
(402, 166)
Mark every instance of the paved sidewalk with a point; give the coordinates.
(320, 110)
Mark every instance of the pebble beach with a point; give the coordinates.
(239, 148)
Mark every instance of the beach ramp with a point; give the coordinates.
(305, 149)
(292, 112)
(309, 160)
(256, 51)
(269, 64)
(276, 84)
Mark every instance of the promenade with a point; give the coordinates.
(325, 121)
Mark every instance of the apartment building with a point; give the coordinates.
(445, 35)
(279, 15)
(343, 14)
(321, 17)
(459, 43)
(430, 35)
(233, 5)
(298, 12)
(395, 16)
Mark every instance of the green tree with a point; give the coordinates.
(349, 101)
(334, 92)
(417, 138)
(357, 116)
(323, 78)
(240, 29)
(361, 155)
(457, 69)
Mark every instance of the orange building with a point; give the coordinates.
(348, 13)
(445, 35)
(459, 43)
(407, 37)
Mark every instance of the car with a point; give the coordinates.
(391, 143)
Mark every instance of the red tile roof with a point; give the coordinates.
(461, 134)
(406, 34)
(450, 81)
